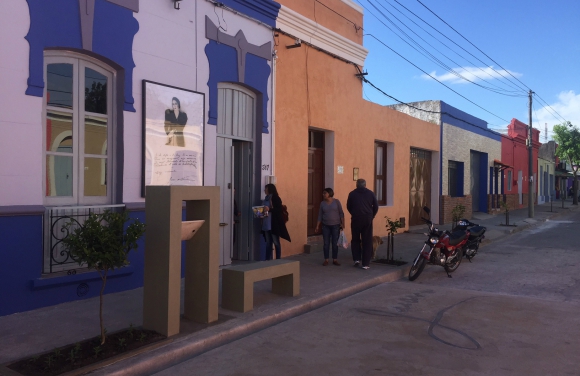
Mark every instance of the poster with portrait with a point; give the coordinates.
(173, 129)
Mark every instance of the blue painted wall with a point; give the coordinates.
(23, 289)
(223, 67)
(56, 23)
(449, 115)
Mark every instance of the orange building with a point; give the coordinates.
(327, 135)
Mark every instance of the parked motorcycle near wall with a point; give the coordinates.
(476, 236)
(442, 248)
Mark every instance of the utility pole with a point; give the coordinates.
(530, 165)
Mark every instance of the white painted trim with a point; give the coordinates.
(354, 5)
(309, 31)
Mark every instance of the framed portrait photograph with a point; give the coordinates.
(173, 134)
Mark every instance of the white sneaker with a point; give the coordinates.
(356, 263)
(366, 267)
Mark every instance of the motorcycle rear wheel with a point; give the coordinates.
(451, 267)
(417, 268)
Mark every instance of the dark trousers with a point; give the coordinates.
(362, 232)
(274, 240)
(329, 232)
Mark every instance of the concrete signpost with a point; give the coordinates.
(162, 276)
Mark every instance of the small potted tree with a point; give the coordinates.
(103, 243)
(457, 214)
(506, 209)
(392, 228)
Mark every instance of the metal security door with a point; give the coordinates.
(243, 223)
(224, 179)
(474, 186)
(420, 184)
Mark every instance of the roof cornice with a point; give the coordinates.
(309, 31)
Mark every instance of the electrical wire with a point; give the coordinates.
(356, 27)
(550, 109)
(461, 47)
(462, 96)
(448, 47)
(468, 41)
(431, 56)
(365, 80)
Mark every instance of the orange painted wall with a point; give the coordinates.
(316, 90)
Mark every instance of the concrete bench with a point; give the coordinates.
(238, 282)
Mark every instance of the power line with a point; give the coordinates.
(552, 113)
(497, 90)
(550, 109)
(472, 43)
(462, 96)
(452, 41)
(356, 27)
(421, 109)
(452, 50)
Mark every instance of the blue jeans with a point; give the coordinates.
(274, 240)
(327, 233)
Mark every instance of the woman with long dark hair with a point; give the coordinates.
(273, 226)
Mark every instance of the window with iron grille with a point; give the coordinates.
(381, 172)
(78, 157)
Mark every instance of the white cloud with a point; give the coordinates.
(474, 74)
(567, 106)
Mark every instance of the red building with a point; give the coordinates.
(515, 154)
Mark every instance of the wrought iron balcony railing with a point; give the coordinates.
(56, 256)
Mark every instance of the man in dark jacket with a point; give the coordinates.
(363, 206)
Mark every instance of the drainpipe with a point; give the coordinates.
(273, 114)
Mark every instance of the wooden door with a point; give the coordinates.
(315, 177)
(420, 185)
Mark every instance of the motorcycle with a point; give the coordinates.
(476, 236)
(442, 248)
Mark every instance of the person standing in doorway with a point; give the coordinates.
(362, 205)
(331, 217)
(273, 226)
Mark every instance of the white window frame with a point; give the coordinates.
(79, 63)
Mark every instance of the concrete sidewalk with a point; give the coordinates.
(28, 333)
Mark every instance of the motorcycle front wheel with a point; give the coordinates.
(417, 268)
(452, 266)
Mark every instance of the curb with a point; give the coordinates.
(187, 347)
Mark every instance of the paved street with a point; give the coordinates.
(513, 311)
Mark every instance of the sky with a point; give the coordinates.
(510, 47)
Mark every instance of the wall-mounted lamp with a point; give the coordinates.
(297, 43)
(176, 4)
(355, 174)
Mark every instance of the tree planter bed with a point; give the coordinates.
(85, 356)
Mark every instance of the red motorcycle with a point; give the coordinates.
(442, 248)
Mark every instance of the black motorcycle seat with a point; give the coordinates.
(477, 231)
(457, 237)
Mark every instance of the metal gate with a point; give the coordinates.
(420, 184)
